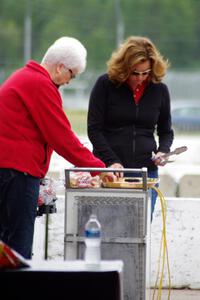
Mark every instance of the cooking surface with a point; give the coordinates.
(130, 182)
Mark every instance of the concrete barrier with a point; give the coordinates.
(183, 240)
(168, 185)
(189, 186)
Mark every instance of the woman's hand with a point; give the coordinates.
(117, 166)
(112, 176)
(160, 159)
(108, 177)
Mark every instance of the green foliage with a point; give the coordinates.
(9, 35)
(172, 25)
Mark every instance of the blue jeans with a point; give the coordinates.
(153, 174)
(18, 205)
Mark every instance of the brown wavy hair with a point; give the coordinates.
(135, 50)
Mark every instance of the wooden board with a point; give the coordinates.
(130, 183)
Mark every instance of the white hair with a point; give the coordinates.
(68, 51)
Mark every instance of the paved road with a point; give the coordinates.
(181, 294)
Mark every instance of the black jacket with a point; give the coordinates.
(121, 131)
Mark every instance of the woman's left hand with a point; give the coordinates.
(159, 159)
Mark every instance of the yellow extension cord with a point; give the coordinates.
(163, 254)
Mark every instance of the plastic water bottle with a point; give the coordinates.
(93, 241)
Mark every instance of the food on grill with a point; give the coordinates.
(84, 180)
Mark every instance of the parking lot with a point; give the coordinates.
(186, 116)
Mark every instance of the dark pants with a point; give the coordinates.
(18, 204)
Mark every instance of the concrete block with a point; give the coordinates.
(189, 186)
(168, 185)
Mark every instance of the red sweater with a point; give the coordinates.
(33, 124)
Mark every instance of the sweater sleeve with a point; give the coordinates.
(49, 116)
(96, 122)
(164, 129)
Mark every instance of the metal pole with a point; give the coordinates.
(119, 23)
(46, 234)
(27, 31)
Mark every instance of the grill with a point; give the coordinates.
(124, 214)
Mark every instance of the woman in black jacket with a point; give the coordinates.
(128, 105)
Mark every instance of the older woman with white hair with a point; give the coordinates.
(59, 62)
(32, 125)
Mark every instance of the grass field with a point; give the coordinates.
(78, 120)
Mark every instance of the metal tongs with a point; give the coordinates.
(165, 156)
(177, 151)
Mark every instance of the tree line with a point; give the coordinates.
(172, 25)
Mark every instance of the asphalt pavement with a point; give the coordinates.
(182, 294)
